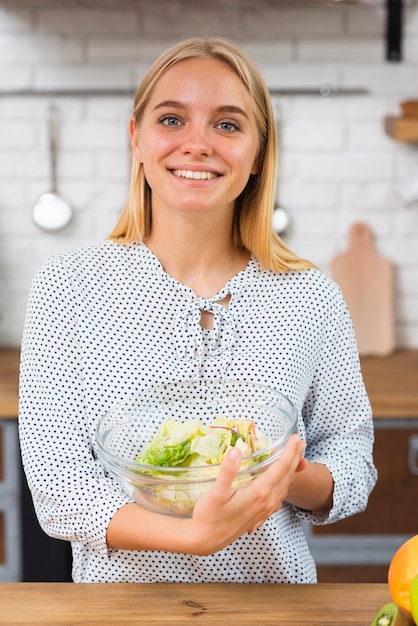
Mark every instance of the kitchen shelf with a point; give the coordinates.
(324, 91)
(402, 128)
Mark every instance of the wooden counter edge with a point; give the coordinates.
(167, 603)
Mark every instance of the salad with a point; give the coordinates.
(192, 443)
(196, 448)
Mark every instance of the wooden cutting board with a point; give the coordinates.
(366, 280)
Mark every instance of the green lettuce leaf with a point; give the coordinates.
(169, 455)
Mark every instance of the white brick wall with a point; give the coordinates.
(337, 165)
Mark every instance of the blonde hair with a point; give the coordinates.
(252, 229)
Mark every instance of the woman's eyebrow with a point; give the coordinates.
(232, 108)
(170, 104)
(226, 108)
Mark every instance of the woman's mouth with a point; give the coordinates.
(195, 175)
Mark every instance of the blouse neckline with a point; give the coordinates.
(232, 286)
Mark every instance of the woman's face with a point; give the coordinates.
(198, 139)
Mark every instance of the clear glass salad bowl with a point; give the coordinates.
(125, 433)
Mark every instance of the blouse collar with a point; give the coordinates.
(188, 331)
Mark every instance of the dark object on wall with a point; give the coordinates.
(394, 30)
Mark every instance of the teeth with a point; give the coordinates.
(195, 175)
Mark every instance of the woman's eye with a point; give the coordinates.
(228, 126)
(170, 121)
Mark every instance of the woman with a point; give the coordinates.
(193, 283)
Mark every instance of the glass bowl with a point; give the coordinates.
(126, 430)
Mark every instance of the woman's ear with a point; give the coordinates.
(256, 165)
(135, 145)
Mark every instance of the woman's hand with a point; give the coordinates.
(225, 513)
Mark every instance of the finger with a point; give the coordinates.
(290, 458)
(295, 448)
(296, 444)
(256, 527)
(276, 479)
(259, 525)
(303, 464)
(227, 472)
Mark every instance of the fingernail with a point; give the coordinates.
(234, 454)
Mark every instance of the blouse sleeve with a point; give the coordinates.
(73, 498)
(338, 419)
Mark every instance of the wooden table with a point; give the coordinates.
(225, 604)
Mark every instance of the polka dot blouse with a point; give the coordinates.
(104, 322)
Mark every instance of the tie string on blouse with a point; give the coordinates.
(189, 336)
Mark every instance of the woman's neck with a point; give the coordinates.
(203, 265)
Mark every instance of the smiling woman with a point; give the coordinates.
(193, 284)
(250, 105)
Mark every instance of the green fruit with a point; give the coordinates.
(414, 599)
(391, 614)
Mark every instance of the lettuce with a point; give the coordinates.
(169, 455)
(192, 443)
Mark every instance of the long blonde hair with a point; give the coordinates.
(252, 229)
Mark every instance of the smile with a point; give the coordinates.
(195, 175)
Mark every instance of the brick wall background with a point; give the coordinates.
(337, 164)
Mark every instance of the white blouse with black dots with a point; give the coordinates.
(106, 321)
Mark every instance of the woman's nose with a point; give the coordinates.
(197, 142)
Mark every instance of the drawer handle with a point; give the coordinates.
(413, 455)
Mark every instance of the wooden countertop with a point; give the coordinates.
(9, 381)
(391, 382)
(65, 604)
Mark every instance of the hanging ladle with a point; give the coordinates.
(280, 217)
(50, 211)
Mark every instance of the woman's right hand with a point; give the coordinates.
(225, 513)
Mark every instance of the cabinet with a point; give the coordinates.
(10, 543)
(27, 554)
(392, 506)
(9, 502)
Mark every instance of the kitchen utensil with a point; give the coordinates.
(280, 217)
(366, 280)
(51, 212)
(125, 431)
